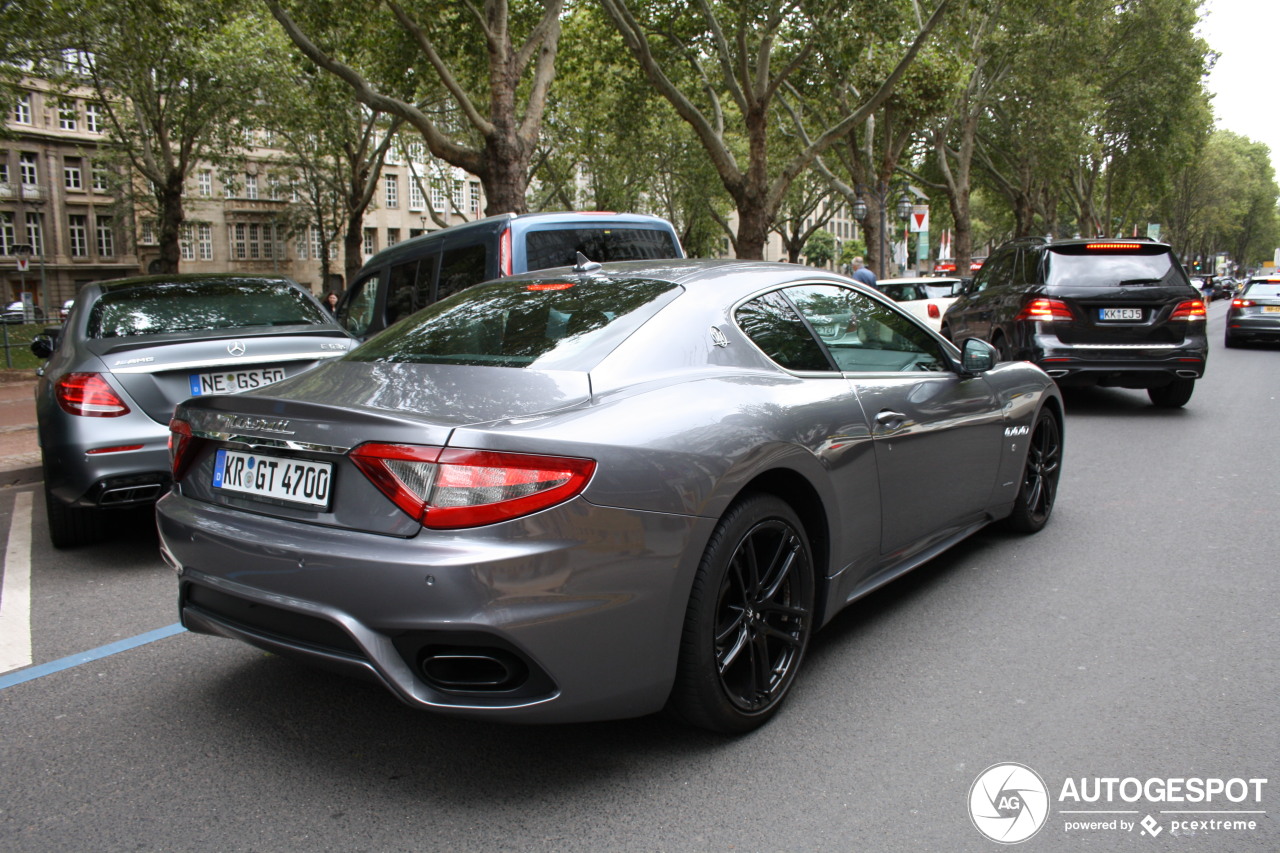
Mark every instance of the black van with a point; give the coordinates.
(411, 275)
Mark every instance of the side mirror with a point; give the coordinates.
(43, 345)
(978, 356)
(966, 284)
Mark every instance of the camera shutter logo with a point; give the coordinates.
(1008, 803)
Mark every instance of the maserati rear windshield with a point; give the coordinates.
(186, 306)
(550, 324)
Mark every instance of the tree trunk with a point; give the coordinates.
(171, 214)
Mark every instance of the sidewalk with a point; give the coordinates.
(19, 449)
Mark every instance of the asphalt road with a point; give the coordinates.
(1136, 637)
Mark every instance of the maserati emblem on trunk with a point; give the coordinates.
(236, 347)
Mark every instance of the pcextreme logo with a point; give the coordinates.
(1009, 803)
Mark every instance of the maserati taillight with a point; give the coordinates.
(89, 395)
(181, 447)
(1046, 310)
(450, 488)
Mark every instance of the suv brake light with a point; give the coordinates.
(1192, 309)
(1046, 310)
(451, 488)
(1113, 247)
(89, 395)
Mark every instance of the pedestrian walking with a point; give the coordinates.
(331, 303)
(862, 274)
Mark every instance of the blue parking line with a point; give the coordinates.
(85, 657)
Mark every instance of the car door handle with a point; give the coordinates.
(890, 420)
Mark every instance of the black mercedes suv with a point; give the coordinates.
(1118, 313)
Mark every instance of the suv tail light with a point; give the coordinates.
(450, 488)
(89, 395)
(1046, 310)
(1192, 309)
(181, 448)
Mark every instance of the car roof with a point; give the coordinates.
(184, 278)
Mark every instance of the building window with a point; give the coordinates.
(79, 233)
(68, 119)
(35, 233)
(251, 186)
(317, 245)
(475, 198)
(93, 118)
(393, 236)
(148, 231)
(370, 240)
(99, 177)
(415, 194)
(204, 183)
(72, 174)
(438, 201)
(457, 195)
(106, 240)
(391, 190)
(273, 187)
(27, 169)
(22, 109)
(185, 244)
(206, 242)
(4, 172)
(7, 237)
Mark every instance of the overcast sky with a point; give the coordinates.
(1245, 101)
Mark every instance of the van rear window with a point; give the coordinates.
(557, 247)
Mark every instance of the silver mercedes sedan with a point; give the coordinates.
(129, 351)
(596, 492)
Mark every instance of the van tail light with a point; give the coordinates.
(934, 312)
(451, 488)
(89, 395)
(181, 448)
(504, 253)
(1192, 309)
(1046, 310)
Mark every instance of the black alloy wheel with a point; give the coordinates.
(749, 619)
(1039, 487)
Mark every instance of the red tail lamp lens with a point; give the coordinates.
(181, 448)
(452, 488)
(1113, 247)
(1046, 310)
(934, 312)
(1192, 309)
(89, 395)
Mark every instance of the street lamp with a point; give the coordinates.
(881, 192)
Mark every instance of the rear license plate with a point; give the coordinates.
(299, 481)
(234, 381)
(1271, 309)
(1120, 313)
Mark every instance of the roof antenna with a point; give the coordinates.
(584, 264)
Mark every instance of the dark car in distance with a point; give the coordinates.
(1113, 313)
(1254, 315)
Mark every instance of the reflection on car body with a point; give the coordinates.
(590, 494)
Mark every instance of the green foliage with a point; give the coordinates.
(820, 250)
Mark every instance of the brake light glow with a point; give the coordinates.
(1113, 247)
(89, 395)
(504, 252)
(554, 285)
(1192, 309)
(1046, 310)
(181, 448)
(1242, 303)
(451, 488)
(118, 449)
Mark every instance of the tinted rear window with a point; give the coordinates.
(557, 248)
(163, 308)
(549, 324)
(1263, 290)
(1082, 267)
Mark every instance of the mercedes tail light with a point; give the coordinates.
(1046, 310)
(181, 448)
(1192, 309)
(451, 488)
(88, 395)
(1242, 303)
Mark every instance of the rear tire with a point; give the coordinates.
(72, 526)
(1230, 342)
(749, 619)
(1039, 487)
(1174, 395)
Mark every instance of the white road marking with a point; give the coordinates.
(15, 595)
